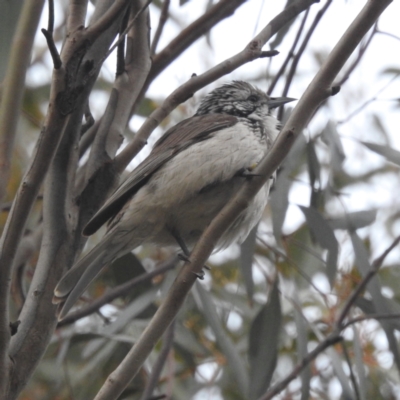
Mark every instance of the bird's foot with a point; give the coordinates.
(200, 275)
(248, 171)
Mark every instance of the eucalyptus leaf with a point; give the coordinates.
(331, 137)
(354, 220)
(389, 153)
(324, 235)
(123, 318)
(374, 288)
(263, 344)
(246, 262)
(236, 362)
(279, 201)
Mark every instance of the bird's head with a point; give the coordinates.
(240, 99)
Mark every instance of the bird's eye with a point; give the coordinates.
(253, 98)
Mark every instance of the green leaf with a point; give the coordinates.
(331, 138)
(354, 220)
(324, 235)
(246, 262)
(263, 344)
(389, 153)
(235, 361)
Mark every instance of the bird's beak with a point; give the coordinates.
(274, 102)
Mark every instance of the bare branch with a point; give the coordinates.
(289, 55)
(277, 388)
(368, 317)
(297, 57)
(13, 86)
(77, 14)
(104, 22)
(159, 364)
(363, 284)
(361, 51)
(189, 35)
(116, 292)
(160, 27)
(128, 28)
(127, 88)
(369, 101)
(52, 48)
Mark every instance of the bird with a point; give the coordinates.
(191, 173)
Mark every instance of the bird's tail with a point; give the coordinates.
(78, 278)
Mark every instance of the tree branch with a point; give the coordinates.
(116, 292)
(289, 55)
(363, 284)
(161, 22)
(216, 13)
(12, 94)
(277, 388)
(159, 364)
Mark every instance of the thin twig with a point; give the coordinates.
(198, 28)
(297, 57)
(352, 376)
(363, 284)
(372, 99)
(368, 317)
(290, 54)
(161, 22)
(127, 29)
(159, 364)
(48, 34)
(116, 292)
(50, 26)
(57, 63)
(121, 45)
(103, 23)
(278, 387)
(363, 48)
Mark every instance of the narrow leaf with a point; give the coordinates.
(301, 344)
(235, 361)
(263, 344)
(246, 262)
(389, 153)
(331, 138)
(279, 196)
(324, 235)
(374, 288)
(354, 220)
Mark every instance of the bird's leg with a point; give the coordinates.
(186, 253)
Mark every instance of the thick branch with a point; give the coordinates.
(12, 93)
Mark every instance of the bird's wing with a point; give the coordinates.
(178, 138)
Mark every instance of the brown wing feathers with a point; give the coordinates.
(176, 139)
